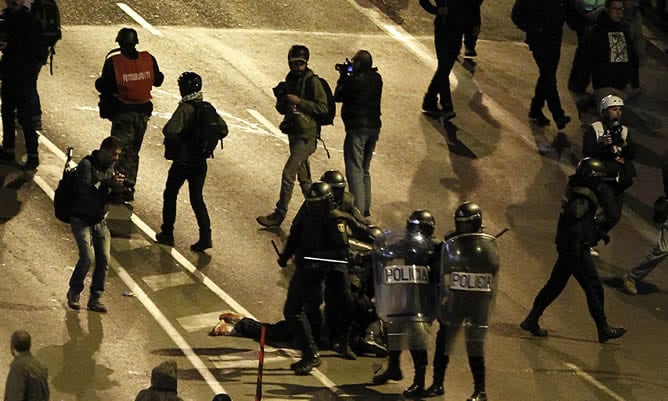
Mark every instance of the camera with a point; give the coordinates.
(344, 68)
(280, 90)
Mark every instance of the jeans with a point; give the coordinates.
(129, 129)
(17, 101)
(652, 259)
(448, 44)
(358, 150)
(547, 54)
(94, 242)
(298, 166)
(195, 174)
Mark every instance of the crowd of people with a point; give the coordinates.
(329, 270)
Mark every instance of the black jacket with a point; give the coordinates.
(360, 95)
(543, 20)
(576, 229)
(607, 41)
(94, 190)
(462, 14)
(21, 31)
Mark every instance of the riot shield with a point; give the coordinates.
(469, 267)
(405, 287)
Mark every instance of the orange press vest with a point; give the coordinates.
(134, 78)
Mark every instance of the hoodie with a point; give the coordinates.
(163, 384)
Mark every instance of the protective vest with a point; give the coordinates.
(599, 130)
(134, 78)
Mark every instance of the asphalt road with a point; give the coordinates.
(489, 154)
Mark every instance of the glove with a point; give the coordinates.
(282, 261)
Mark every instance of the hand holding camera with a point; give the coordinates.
(345, 68)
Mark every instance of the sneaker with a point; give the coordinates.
(73, 300)
(470, 53)
(164, 239)
(231, 317)
(630, 284)
(538, 118)
(562, 121)
(272, 220)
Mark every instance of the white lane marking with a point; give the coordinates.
(159, 282)
(237, 363)
(138, 18)
(152, 309)
(593, 381)
(268, 125)
(197, 322)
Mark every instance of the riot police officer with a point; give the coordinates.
(345, 201)
(468, 256)
(318, 240)
(406, 294)
(576, 233)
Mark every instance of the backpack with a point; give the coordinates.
(208, 129)
(47, 14)
(327, 119)
(66, 192)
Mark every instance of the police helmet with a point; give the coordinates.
(189, 83)
(375, 231)
(337, 181)
(590, 172)
(298, 53)
(127, 37)
(468, 218)
(610, 101)
(421, 220)
(320, 198)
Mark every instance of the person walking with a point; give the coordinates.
(188, 165)
(300, 99)
(452, 19)
(576, 233)
(22, 58)
(97, 184)
(360, 92)
(125, 93)
(543, 21)
(28, 378)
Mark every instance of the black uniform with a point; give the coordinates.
(319, 236)
(576, 232)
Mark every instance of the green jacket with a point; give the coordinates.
(313, 103)
(27, 379)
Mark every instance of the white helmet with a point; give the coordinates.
(610, 101)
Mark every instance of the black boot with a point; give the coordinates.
(530, 324)
(204, 242)
(73, 300)
(478, 396)
(393, 370)
(607, 332)
(416, 389)
(165, 238)
(304, 366)
(343, 349)
(95, 305)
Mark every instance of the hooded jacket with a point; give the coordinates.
(163, 384)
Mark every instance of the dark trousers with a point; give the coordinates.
(419, 364)
(129, 128)
(547, 54)
(305, 286)
(195, 174)
(338, 305)
(612, 202)
(582, 268)
(442, 359)
(448, 44)
(470, 40)
(17, 101)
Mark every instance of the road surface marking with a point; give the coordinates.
(198, 322)
(268, 125)
(593, 381)
(138, 18)
(159, 282)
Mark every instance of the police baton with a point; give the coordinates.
(326, 260)
(275, 248)
(502, 232)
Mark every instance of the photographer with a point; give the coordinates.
(608, 140)
(359, 89)
(22, 58)
(300, 99)
(97, 184)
